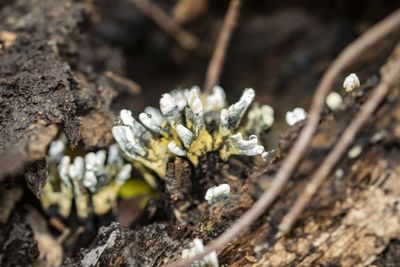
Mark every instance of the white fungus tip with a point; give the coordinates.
(175, 149)
(293, 117)
(180, 99)
(224, 116)
(90, 180)
(147, 120)
(124, 174)
(196, 248)
(334, 101)
(77, 169)
(250, 93)
(114, 156)
(101, 156)
(124, 137)
(185, 135)
(265, 155)
(249, 147)
(56, 150)
(194, 102)
(167, 104)
(90, 161)
(197, 106)
(155, 113)
(216, 100)
(354, 152)
(217, 193)
(126, 117)
(351, 82)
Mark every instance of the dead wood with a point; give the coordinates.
(48, 82)
(55, 75)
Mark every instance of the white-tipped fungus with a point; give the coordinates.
(260, 118)
(217, 193)
(148, 121)
(266, 155)
(175, 149)
(197, 247)
(126, 117)
(77, 169)
(123, 174)
(185, 130)
(185, 135)
(296, 115)
(351, 82)
(168, 105)
(334, 101)
(180, 99)
(114, 156)
(56, 150)
(249, 147)
(216, 100)
(63, 170)
(92, 180)
(194, 102)
(354, 152)
(155, 114)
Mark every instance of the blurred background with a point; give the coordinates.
(279, 48)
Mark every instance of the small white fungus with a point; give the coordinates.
(175, 149)
(296, 115)
(217, 193)
(334, 101)
(351, 82)
(197, 247)
(354, 152)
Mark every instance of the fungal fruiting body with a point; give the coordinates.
(334, 101)
(197, 247)
(217, 193)
(351, 82)
(296, 115)
(191, 124)
(91, 181)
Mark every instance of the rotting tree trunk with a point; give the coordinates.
(52, 76)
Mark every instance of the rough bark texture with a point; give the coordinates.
(50, 79)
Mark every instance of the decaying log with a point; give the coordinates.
(53, 76)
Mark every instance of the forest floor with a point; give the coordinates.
(70, 66)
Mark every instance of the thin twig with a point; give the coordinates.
(131, 85)
(183, 37)
(351, 52)
(217, 61)
(341, 146)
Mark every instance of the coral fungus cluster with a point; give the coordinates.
(191, 124)
(90, 181)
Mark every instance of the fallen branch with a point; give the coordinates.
(217, 61)
(350, 53)
(184, 38)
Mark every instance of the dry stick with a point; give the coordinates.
(217, 61)
(131, 85)
(184, 38)
(334, 156)
(351, 52)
